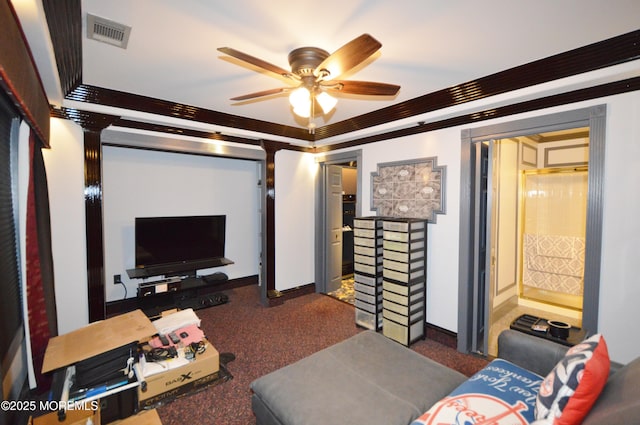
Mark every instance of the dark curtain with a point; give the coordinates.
(43, 221)
(40, 290)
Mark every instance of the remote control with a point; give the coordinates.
(174, 338)
(163, 339)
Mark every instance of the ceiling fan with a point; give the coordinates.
(314, 74)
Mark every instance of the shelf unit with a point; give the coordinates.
(367, 247)
(404, 310)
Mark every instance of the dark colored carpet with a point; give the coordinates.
(265, 339)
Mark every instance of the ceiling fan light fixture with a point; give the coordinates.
(300, 99)
(326, 101)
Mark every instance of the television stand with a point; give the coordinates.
(194, 292)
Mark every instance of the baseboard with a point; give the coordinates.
(278, 297)
(443, 336)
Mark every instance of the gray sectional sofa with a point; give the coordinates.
(370, 380)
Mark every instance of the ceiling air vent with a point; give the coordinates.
(106, 31)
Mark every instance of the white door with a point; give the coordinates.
(334, 227)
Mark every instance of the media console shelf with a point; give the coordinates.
(189, 292)
(171, 269)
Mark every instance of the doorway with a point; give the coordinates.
(338, 203)
(536, 220)
(483, 243)
(349, 177)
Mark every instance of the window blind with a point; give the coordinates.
(10, 313)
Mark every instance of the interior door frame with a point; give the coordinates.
(321, 242)
(593, 117)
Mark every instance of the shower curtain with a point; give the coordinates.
(554, 225)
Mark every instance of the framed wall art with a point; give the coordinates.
(409, 189)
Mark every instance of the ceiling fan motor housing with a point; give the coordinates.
(305, 60)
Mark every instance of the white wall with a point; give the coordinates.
(64, 163)
(294, 222)
(142, 183)
(619, 283)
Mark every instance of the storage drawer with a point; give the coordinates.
(402, 237)
(403, 309)
(367, 280)
(370, 242)
(403, 277)
(403, 334)
(368, 320)
(363, 259)
(371, 299)
(371, 251)
(370, 270)
(402, 267)
(367, 233)
(371, 308)
(404, 226)
(404, 290)
(402, 246)
(367, 223)
(404, 256)
(401, 318)
(369, 290)
(404, 299)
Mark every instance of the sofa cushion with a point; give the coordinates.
(618, 403)
(572, 387)
(501, 393)
(341, 384)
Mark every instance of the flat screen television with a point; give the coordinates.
(181, 245)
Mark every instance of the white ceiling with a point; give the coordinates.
(427, 45)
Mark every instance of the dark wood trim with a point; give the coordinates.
(102, 96)
(269, 233)
(93, 217)
(64, 19)
(19, 77)
(128, 123)
(609, 89)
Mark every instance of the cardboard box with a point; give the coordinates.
(96, 338)
(176, 382)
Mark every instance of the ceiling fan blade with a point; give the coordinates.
(258, 62)
(261, 93)
(348, 56)
(367, 88)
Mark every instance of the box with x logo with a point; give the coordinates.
(181, 378)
